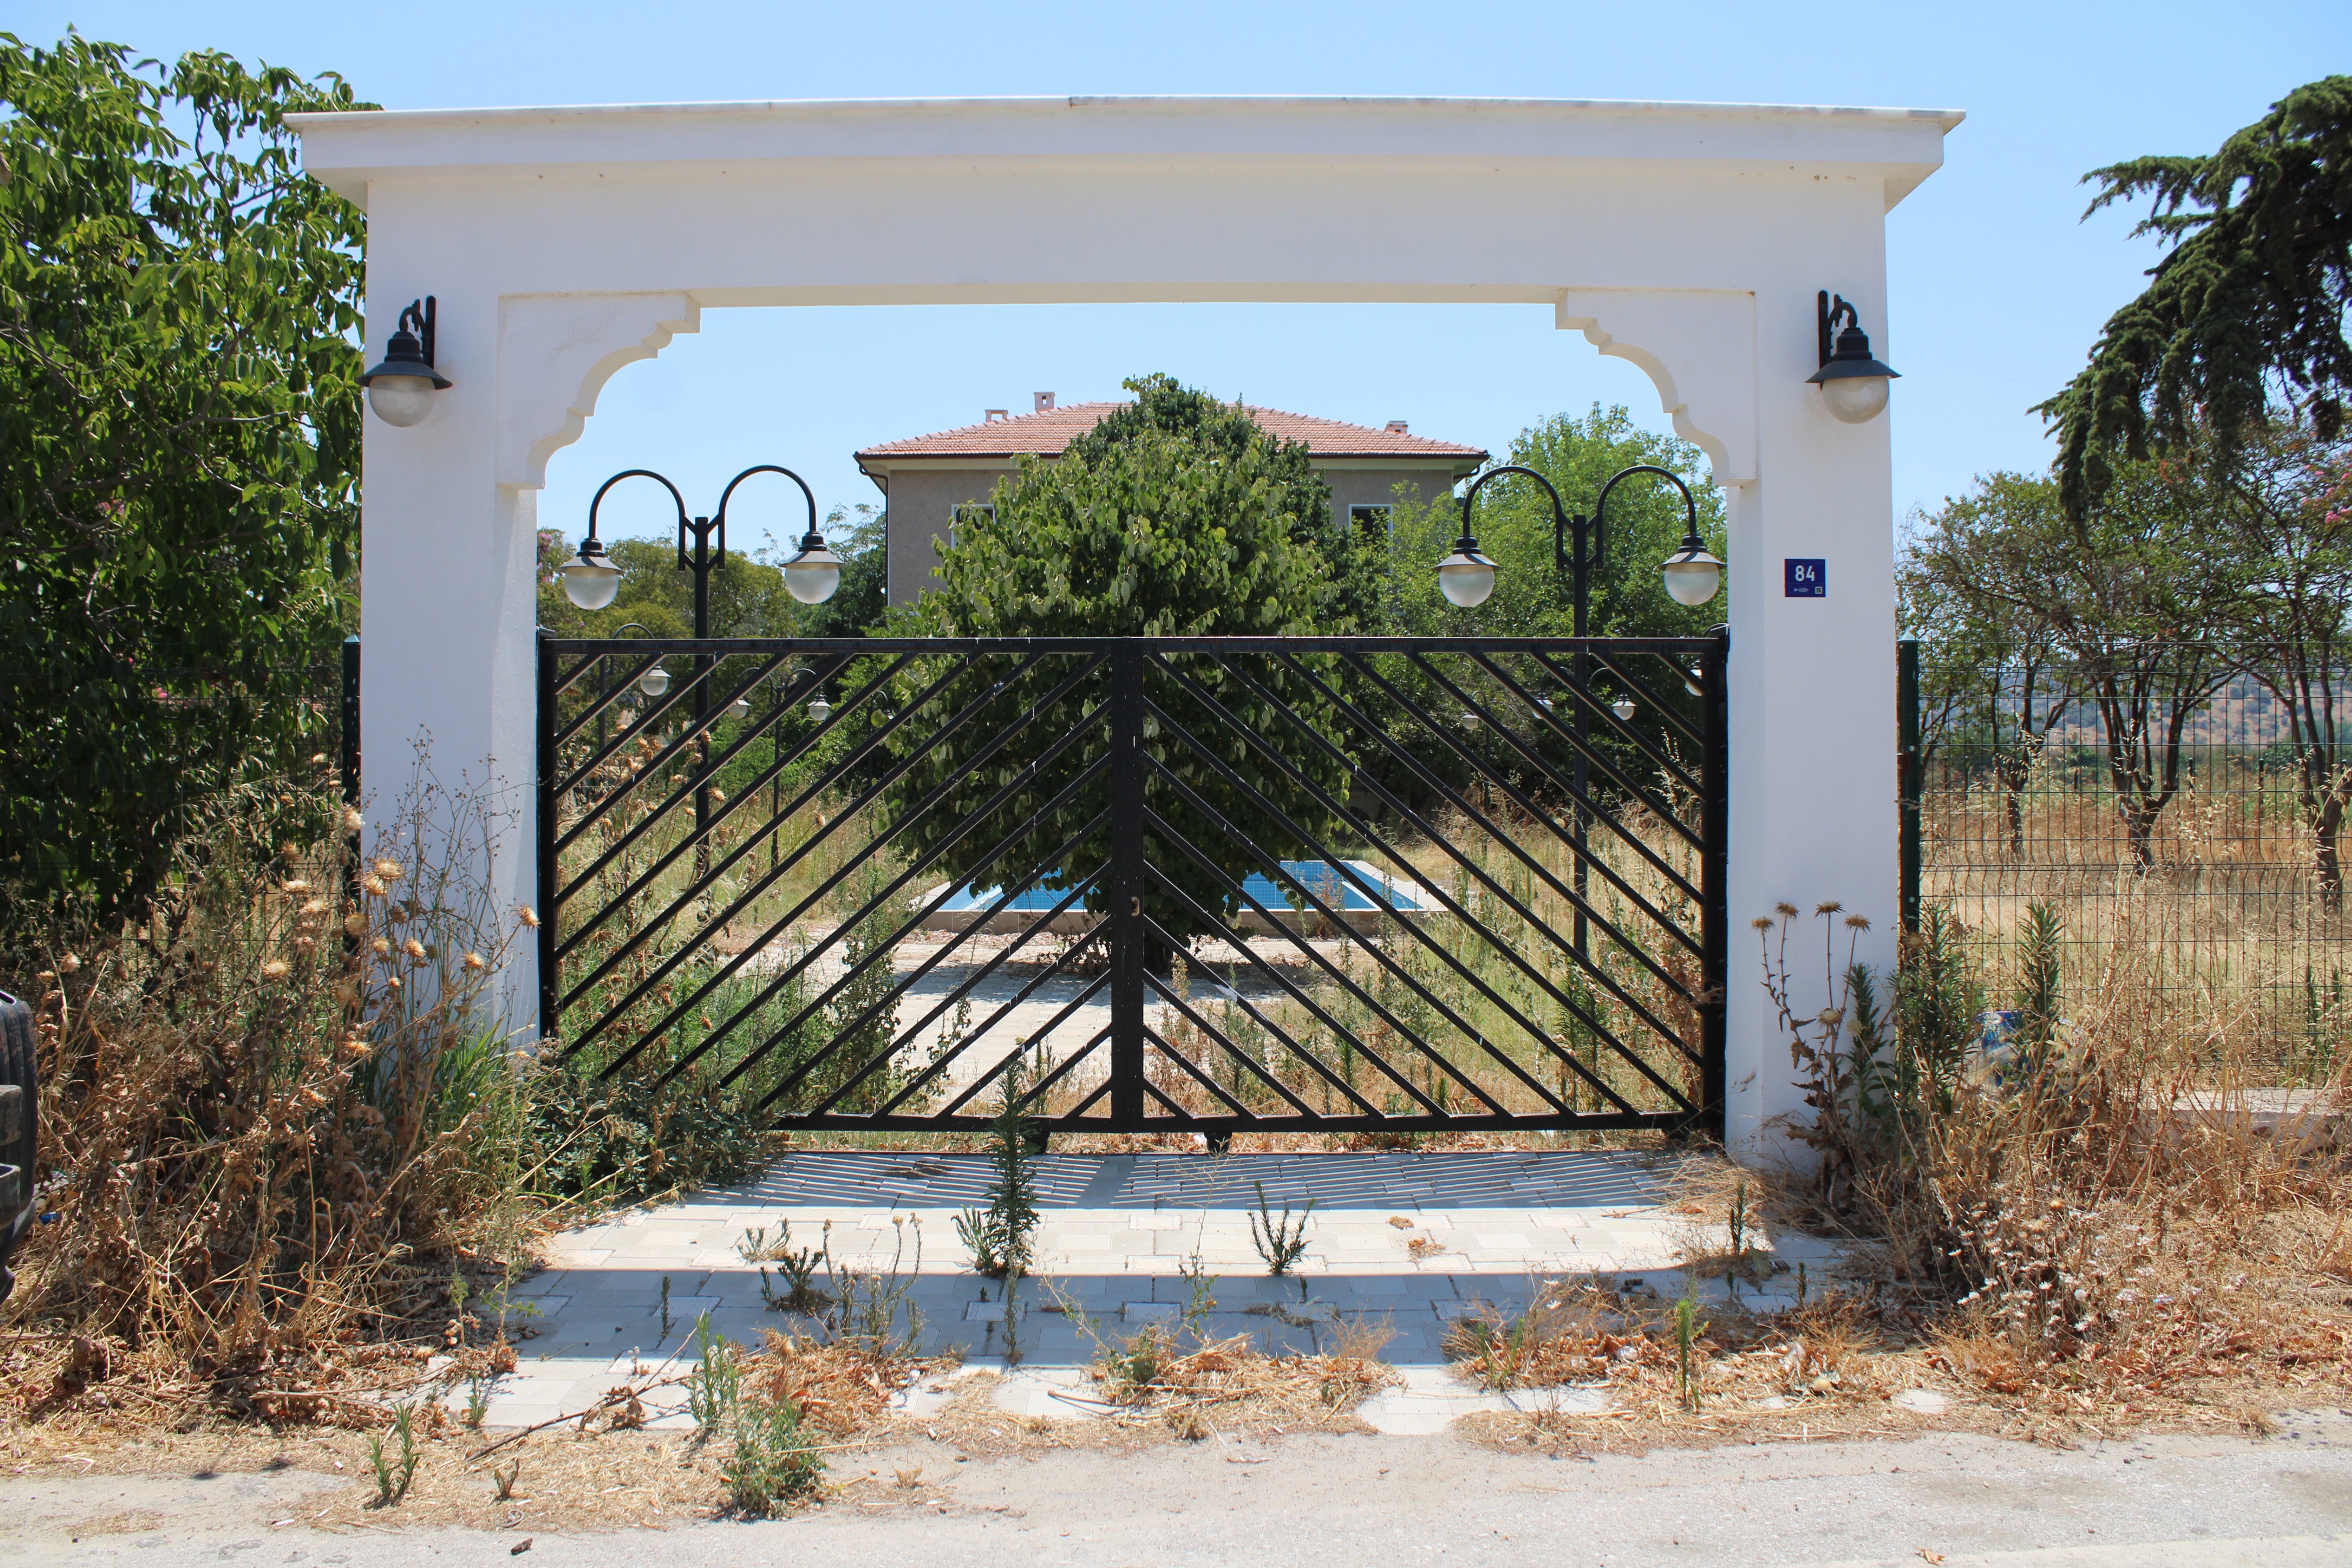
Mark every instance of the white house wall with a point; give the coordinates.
(563, 243)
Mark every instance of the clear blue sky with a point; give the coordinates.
(1996, 290)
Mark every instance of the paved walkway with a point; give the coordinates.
(1117, 1233)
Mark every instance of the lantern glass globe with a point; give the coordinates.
(820, 710)
(1692, 576)
(1855, 399)
(655, 681)
(1466, 578)
(591, 582)
(401, 400)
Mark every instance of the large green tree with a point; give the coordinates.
(179, 448)
(1183, 518)
(2245, 311)
(2121, 602)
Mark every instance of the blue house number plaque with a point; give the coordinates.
(1806, 580)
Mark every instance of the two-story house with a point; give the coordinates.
(927, 480)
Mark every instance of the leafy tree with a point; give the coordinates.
(2119, 596)
(1993, 681)
(179, 445)
(2282, 538)
(1225, 432)
(1187, 519)
(2246, 309)
(1514, 526)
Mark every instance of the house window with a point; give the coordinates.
(957, 514)
(1372, 520)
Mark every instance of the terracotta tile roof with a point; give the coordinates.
(1049, 431)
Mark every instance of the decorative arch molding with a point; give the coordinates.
(556, 352)
(1710, 333)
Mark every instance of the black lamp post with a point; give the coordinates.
(1579, 548)
(591, 580)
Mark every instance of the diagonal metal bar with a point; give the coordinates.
(1241, 1058)
(789, 863)
(1436, 837)
(1005, 1010)
(674, 699)
(1617, 662)
(1290, 1042)
(1276, 872)
(889, 1002)
(1337, 973)
(1595, 712)
(602, 701)
(1461, 802)
(1527, 804)
(882, 951)
(834, 720)
(1445, 733)
(842, 768)
(1453, 906)
(1240, 891)
(1197, 1076)
(700, 772)
(1061, 1016)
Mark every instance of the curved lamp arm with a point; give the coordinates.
(677, 499)
(806, 494)
(1690, 502)
(1470, 496)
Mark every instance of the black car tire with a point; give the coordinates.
(18, 1066)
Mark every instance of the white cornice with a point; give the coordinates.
(349, 151)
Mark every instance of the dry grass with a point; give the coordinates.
(265, 1106)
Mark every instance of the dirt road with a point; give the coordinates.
(2157, 1502)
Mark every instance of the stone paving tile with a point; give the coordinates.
(1116, 1233)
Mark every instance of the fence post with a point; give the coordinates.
(550, 1009)
(1715, 913)
(1908, 781)
(1130, 944)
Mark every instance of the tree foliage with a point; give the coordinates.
(2114, 603)
(1514, 525)
(2246, 309)
(179, 448)
(1185, 519)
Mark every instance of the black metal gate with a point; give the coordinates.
(1300, 884)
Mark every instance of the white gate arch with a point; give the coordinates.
(1689, 239)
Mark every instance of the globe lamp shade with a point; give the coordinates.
(813, 574)
(739, 709)
(1623, 709)
(819, 708)
(1466, 577)
(401, 388)
(401, 400)
(1853, 383)
(1692, 576)
(655, 681)
(590, 578)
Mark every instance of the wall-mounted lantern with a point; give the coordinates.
(401, 389)
(1853, 383)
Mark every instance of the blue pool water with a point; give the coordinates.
(1319, 875)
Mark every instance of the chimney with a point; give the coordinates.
(1044, 401)
(990, 415)
(1396, 427)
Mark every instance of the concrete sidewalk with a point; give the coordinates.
(1117, 1233)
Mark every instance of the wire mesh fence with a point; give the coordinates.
(2177, 820)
